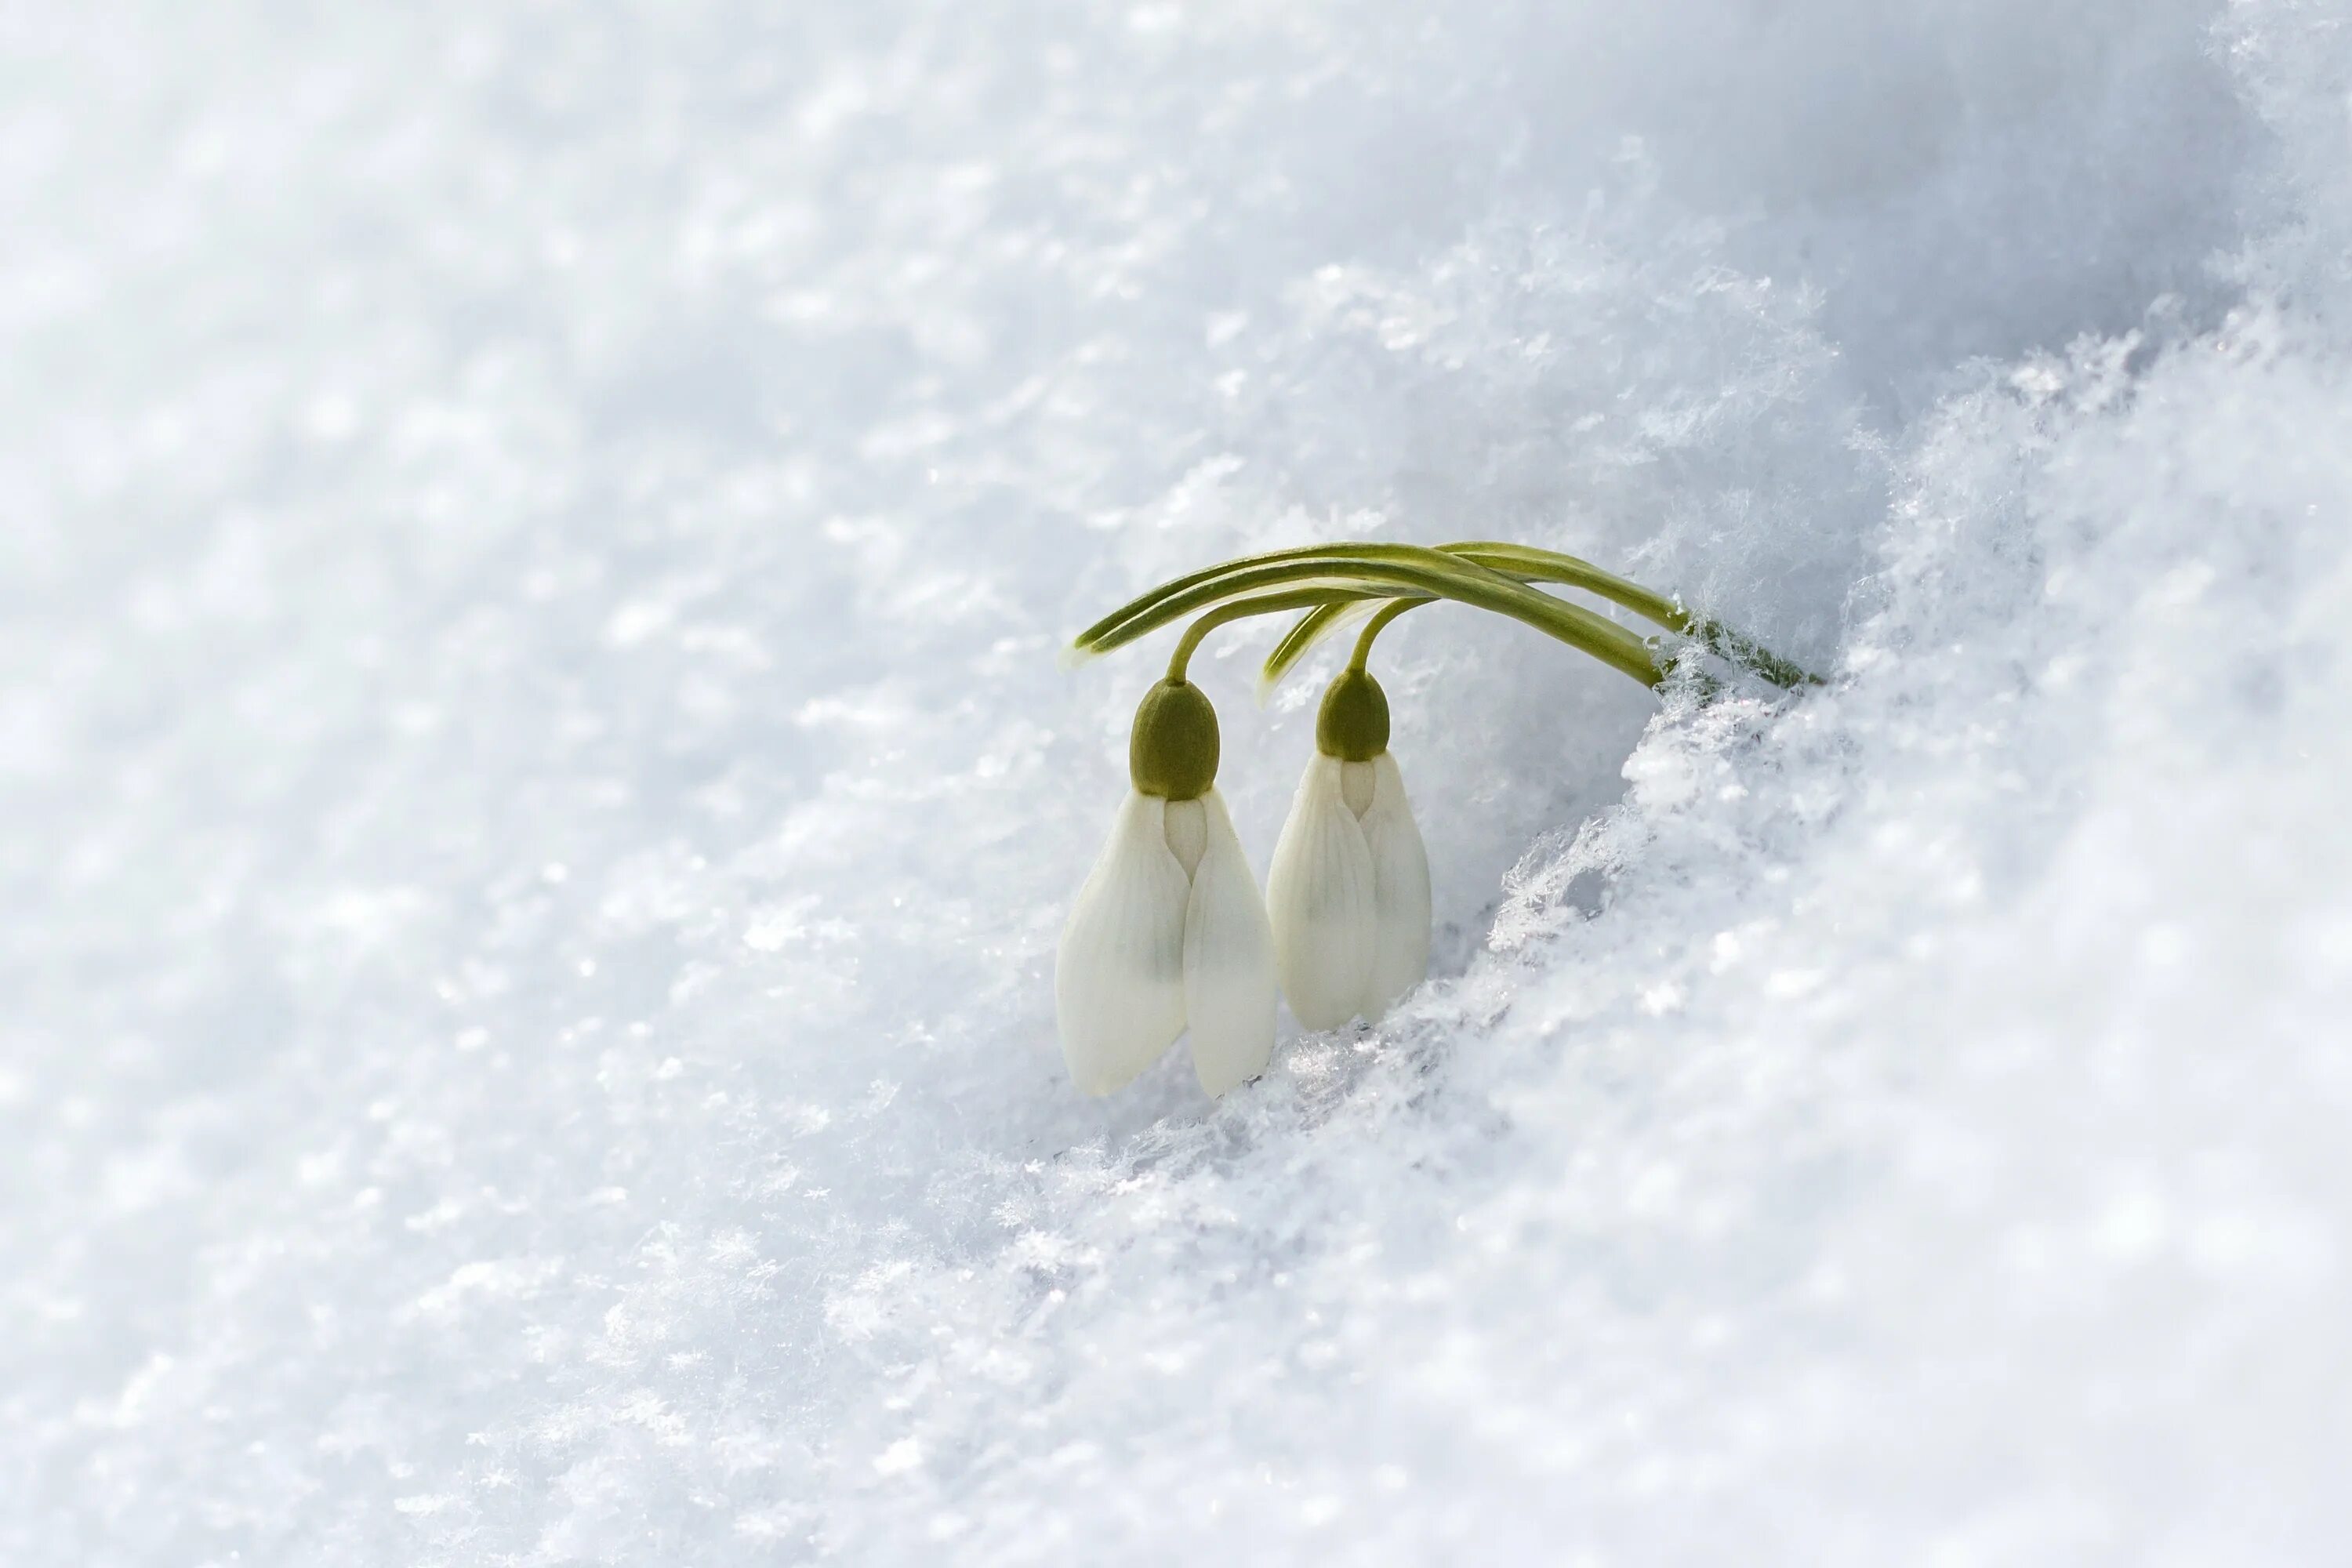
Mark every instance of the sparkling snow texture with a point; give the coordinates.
(536, 798)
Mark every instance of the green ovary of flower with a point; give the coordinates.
(1172, 752)
(1353, 722)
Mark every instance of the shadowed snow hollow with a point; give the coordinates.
(536, 798)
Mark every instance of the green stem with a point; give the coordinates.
(1385, 570)
(1196, 588)
(1533, 565)
(1529, 564)
(1086, 640)
(1525, 561)
(1239, 609)
(1375, 627)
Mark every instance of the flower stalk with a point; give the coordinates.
(1328, 581)
(1378, 571)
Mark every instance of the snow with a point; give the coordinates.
(539, 794)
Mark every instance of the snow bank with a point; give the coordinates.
(538, 795)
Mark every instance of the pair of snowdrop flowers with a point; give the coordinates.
(1169, 932)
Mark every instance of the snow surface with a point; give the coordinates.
(539, 798)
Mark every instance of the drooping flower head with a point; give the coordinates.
(1349, 893)
(1169, 932)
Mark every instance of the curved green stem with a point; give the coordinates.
(1525, 561)
(1395, 571)
(1086, 640)
(1240, 610)
(1228, 578)
(1329, 579)
(1529, 564)
(1375, 627)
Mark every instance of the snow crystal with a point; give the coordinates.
(539, 791)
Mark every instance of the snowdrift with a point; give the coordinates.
(536, 795)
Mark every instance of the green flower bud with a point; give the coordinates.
(1172, 752)
(1353, 724)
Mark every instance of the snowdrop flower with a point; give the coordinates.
(1349, 891)
(1168, 930)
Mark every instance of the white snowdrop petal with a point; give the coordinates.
(1229, 980)
(1119, 980)
(1319, 896)
(1188, 833)
(1400, 891)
